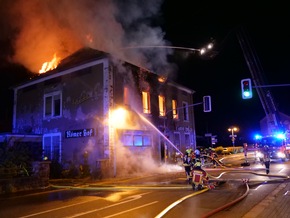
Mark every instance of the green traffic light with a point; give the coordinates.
(247, 94)
(246, 87)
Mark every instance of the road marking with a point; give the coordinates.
(258, 187)
(47, 211)
(135, 208)
(179, 201)
(131, 198)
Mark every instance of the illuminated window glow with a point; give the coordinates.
(174, 109)
(136, 138)
(146, 102)
(126, 96)
(162, 108)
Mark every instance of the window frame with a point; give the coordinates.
(185, 111)
(50, 153)
(146, 102)
(131, 139)
(161, 105)
(187, 139)
(177, 142)
(52, 105)
(175, 114)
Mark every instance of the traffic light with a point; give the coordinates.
(246, 86)
(206, 103)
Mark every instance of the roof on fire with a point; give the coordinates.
(80, 57)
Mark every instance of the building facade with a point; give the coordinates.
(95, 109)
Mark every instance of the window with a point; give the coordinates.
(177, 139)
(146, 102)
(128, 139)
(187, 139)
(52, 146)
(138, 141)
(136, 138)
(185, 111)
(52, 105)
(147, 140)
(174, 109)
(126, 96)
(161, 103)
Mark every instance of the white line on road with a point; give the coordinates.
(47, 211)
(179, 201)
(131, 198)
(135, 208)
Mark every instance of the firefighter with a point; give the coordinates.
(187, 163)
(267, 159)
(197, 166)
(197, 153)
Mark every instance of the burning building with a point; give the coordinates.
(97, 110)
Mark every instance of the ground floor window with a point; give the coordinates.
(136, 138)
(187, 140)
(52, 146)
(177, 139)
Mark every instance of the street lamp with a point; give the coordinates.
(201, 51)
(233, 136)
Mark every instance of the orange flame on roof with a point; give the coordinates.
(89, 38)
(50, 65)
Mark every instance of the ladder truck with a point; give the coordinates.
(273, 122)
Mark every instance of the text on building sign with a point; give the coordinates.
(79, 133)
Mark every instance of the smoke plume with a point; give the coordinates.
(43, 28)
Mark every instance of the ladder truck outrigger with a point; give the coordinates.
(275, 137)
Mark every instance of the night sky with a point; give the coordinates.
(189, 24)
(192, 25)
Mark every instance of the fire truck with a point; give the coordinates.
(277, 146)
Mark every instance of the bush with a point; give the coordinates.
(20, 156)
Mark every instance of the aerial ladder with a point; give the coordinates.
(274, 123)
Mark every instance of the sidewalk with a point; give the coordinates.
(275, 205)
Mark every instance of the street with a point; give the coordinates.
(162, 195)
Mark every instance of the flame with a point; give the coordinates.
(89, 38)
(162, 79)
(50, 65)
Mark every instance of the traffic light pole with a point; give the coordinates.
(276, 85)
(246, 87)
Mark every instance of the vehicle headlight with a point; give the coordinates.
(281, 154)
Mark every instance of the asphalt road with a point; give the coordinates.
(159, 195)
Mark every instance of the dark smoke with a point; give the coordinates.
(38, 29)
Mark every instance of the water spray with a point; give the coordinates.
(161, 133)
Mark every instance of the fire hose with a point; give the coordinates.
(246, 182)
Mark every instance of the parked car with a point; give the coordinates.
(226, 151)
